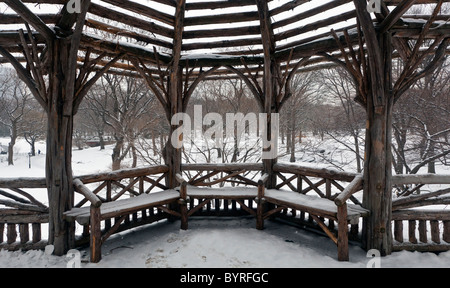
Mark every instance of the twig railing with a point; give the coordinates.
(20, 211)
(420, 213)
(323, 182)
(221, 175)
(420, 217)
(120, 184)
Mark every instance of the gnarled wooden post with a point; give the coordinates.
(60, 94)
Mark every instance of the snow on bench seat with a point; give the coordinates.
(313, 204)
(222, 192)
(124, 206)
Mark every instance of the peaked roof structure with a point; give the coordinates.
(217, 33)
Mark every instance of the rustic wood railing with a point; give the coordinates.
(430, 222)
(425, 214)
(219, 175)
(326, 183)
(112, 186)
(20, 212)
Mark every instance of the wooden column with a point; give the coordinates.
(377, 195)
(270, 88)
(53, 81)
(172, 155)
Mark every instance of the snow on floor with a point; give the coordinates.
(222, 243)
(208, 243)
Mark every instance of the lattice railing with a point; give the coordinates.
(120, 184)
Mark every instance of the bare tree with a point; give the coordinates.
(349, 117)
(297, 109)
(124, 104)
(34, 125)
(421, 123)
(13, 106)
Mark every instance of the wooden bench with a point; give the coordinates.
(206, 194)
(337, 210)
(119, 209)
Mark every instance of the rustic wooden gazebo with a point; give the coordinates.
(63, 47)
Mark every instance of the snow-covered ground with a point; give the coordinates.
(208, 243)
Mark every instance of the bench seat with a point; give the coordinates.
(221, 193)
(312, 204)
(318, 208)
(120, 209)
(123, 206)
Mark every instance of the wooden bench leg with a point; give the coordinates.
(342, 242)
(184, 216)
(183, 205)
(96, 235)
(260, 208)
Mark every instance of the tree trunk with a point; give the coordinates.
(12, 143)
(116, 155)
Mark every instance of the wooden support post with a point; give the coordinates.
(260, 208)
(183, 206)
(36, 230)
(342, 241)
(398, 230)
(11, 233)
(445, 234)
(377, 196)
(96, 235)
(24, 233)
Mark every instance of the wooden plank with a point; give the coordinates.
(421, 214)
(123, 173)
(24, 218)
(420, 179)
(222, 193)
(314, 172)
(31, 18)
(222, 167)
(311, 204)
(23, 182)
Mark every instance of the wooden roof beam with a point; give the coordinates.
(114, 48)
(31, 18)
(143, 10)
(221, 19)
(395, 15)
(309, 13)
(315, 25)
(130, 20)
(126, 33)
(8, 19)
